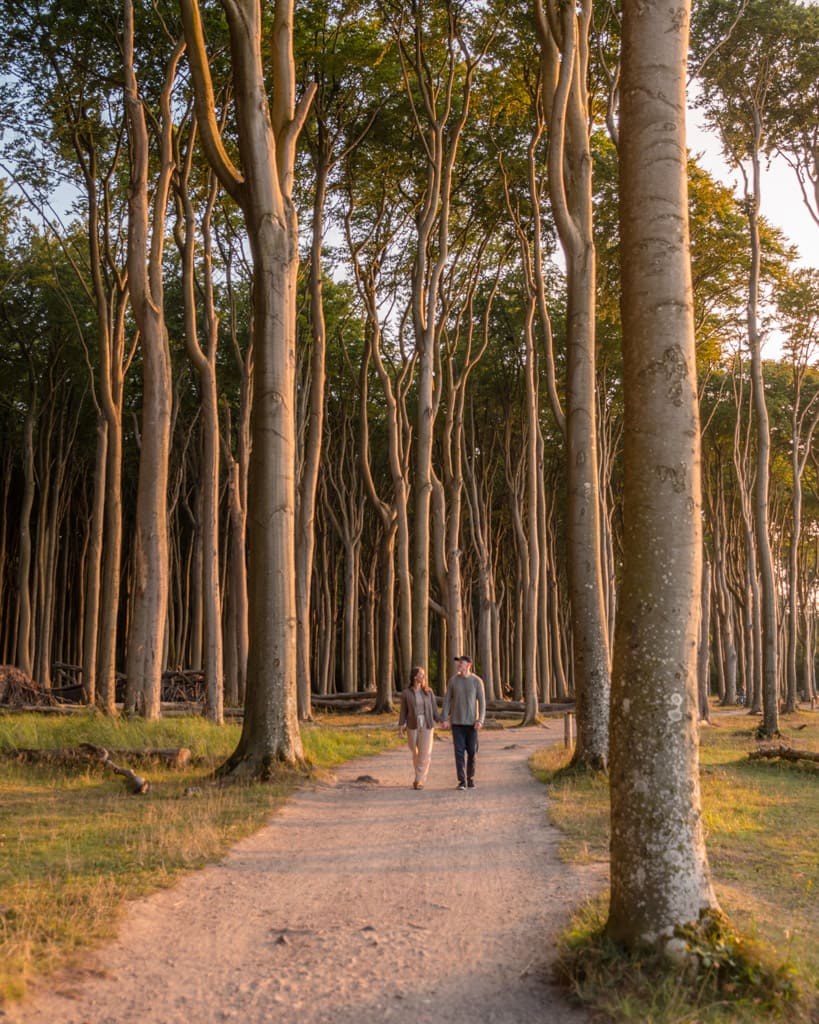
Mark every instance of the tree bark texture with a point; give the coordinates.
(659, 870)
(146, 634)
(267, 138)
(563, 32)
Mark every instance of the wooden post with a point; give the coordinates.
(568, 728)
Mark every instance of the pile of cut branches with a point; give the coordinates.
(17, 690)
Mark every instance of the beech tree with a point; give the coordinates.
(203, 358)
(747, 72)
(660, 877)
(263, 188)
(146, 241)
(563, 32)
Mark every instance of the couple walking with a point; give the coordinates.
(464, 711)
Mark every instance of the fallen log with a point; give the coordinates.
(359, 695)
(139, 786)
(70, 757)
(785, 752)
(353, 707)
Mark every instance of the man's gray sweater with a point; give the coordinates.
(465, 701)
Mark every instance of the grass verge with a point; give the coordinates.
(75, 844)
(762, 822)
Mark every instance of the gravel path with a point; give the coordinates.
(361, 902)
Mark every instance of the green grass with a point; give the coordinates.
(75, 844)
(762, 827)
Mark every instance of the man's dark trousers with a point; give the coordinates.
(465, 744)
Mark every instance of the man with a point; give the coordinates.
(464, 710)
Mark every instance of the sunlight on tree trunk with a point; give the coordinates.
(263, 190)
(659, 869)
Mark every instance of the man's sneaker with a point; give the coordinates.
(470, 783)
(461, 785)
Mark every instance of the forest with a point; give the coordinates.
(416, 446)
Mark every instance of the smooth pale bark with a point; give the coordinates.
(765, 562)
(531, 602)
(93, 570)
(398, 435)
(478, 492)
(237, 472)
(346, 513)
(204, 362)
(563, 33)
(4, 538)
(308, 479)
(267, 134)
(560, 686)
(111, 304)
(146, 633)
(440, 124)
(41, 590)
(703, 652)
(388, 517)
(23, 659)
(236, 590)
(659, 869)
(725, 652)
(458, 361)
(802, 324)
(58, 442)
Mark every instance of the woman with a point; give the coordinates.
(419, 713)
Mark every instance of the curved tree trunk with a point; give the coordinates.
(267, 138)
(308, 482)
(770, 702)
(204, 362)
(24, 660)
(563, 31)
(146, 633)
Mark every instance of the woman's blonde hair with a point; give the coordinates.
(414, 675)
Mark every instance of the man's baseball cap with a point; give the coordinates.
(464, 657)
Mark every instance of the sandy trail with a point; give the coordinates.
(360, 902)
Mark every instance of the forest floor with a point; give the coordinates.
(362, 901)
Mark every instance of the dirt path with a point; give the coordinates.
(361, 902)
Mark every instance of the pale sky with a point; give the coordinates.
(782, 202)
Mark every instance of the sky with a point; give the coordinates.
(782, 202)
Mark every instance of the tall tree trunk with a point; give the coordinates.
(440, 124)
(563, 31)
(388, 516)
(267, 140)
(308, 481)
(532, 643)
(204, 362)
(24, 659)
(660, 877)
(770, 702)
(93, 569)
(703, 648)
(149, 609)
